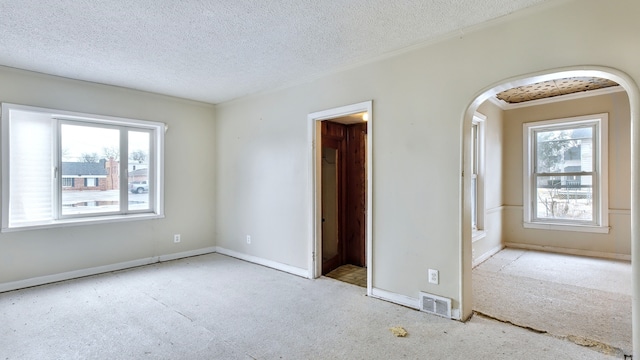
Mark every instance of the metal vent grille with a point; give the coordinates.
(436, 305)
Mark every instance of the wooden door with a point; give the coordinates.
(356, 195)
(333, 143)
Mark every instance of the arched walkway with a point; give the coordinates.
(634, 102)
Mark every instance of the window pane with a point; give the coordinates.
(475, 162)
(474, 148)
(474, 203)
(139, 182)
(567, 150)
(565, 197)
(90, 157)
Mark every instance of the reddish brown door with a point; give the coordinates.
(332, 191)
(356, 195)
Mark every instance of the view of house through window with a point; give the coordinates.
(566, 183)
(91, 169)
(89, 154)
(60, 166)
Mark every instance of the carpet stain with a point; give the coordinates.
(596, 345)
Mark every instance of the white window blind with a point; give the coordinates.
(31, 172)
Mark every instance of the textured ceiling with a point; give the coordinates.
(215, 50)
(552, 88)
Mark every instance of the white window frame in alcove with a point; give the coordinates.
(600, 174)
(478, 172)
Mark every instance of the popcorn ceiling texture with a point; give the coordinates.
(551, 88)
(215, 51)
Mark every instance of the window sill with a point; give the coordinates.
(563, 227)
(84, 221)
(478, 235)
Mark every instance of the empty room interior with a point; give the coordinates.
(303, 180)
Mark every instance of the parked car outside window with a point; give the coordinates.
(138, 187)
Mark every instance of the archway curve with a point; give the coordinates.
(633, 93)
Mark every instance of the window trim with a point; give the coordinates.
(601, 209)
(156, 167)
(478, 158)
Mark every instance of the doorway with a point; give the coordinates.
(343, 187)
(342, 193)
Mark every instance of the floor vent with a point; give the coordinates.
(436, 305)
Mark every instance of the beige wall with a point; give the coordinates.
(419, 98)
(189, 182)
(618, 241)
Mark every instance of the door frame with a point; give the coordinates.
(315, 184)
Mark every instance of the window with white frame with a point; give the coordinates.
(477, 172)
(565, 174)
(60, 168)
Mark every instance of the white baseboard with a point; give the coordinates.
(482, 258)
(47, 279)
(597, 254)
(395, 298)
(265, 262)
(455, 314)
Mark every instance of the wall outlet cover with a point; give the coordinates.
(434, 277)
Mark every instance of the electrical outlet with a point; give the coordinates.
(176, 238)
(434, 277)
(248, 239)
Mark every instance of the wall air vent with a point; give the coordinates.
(436, 305)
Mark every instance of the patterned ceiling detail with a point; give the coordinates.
(547, 89)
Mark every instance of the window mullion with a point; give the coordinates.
(57, 169)
(153, 180)
(124, 171)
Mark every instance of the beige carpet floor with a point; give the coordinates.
(216, 307)
(581, 299)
